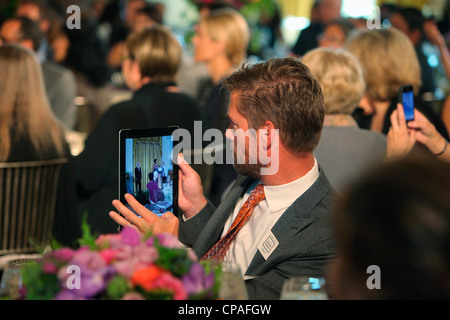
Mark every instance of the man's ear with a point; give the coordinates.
(267, 134)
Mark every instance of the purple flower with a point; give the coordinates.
(66, 294)
(196, 281)
(91, 282)
(92, 274)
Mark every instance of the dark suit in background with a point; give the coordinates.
(61, 87)
(137, 178)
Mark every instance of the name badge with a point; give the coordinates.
(268, 245)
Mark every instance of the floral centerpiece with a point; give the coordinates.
(126, 265)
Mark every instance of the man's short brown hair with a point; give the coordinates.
(283, 91)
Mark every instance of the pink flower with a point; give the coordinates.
(168, 240)
(130, 236)
(108, 255)
(130, 259)
(63, 254)
(109, 240)
(49, 267)
(168, 282)
(89, 259)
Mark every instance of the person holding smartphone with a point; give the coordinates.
(389, 62)
(402, 136)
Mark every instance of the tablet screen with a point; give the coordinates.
(146, 169)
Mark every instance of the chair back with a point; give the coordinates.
(28, 192)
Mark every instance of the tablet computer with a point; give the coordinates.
(147, 169)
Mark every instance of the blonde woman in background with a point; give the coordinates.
(29, 130)
(25, 111)
(388, 61)
(344, 149)
(220, 41)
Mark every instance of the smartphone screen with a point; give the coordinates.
(406, 97)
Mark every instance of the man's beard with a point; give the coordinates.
(249, 170)
(252, 170)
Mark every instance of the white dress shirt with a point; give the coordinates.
(257, 229)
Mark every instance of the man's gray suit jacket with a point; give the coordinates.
(61, 87)
(304, 232)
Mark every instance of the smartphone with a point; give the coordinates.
(406, 98)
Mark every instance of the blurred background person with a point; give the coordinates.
(410, 22)
(221, 40)
(193, 74)
(38, 11)
(150, 67)
(60, 82)
(344, 150)
(388, 61)
(30, 131)
(435, 36)
(402, 136)
(396, 217)
(335, 33)
(326, 10)
(139, 17)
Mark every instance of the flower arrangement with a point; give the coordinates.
(126, 265)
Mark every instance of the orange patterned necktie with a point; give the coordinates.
(219, 250)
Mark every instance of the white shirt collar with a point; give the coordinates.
(282, 196)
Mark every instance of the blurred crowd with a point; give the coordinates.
(125, 47)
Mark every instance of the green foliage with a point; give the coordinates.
(117, 288)
(174, 260)
(87, 237)
(39, 285)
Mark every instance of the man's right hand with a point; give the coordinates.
(190, 191)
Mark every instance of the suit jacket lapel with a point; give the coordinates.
(292, 221)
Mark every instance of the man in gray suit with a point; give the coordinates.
(60, 82)
(289, 233)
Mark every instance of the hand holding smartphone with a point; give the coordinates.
(406, 98)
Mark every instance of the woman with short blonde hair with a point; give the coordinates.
(157, 53)
(229, 27)
(344, 149)
(340, 76)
